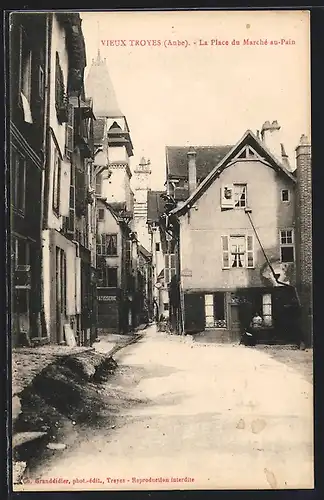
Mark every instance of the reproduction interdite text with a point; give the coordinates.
(110, 480)
(212, 42)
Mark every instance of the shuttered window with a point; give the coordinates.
(107, 245)
(237, 251)
(69, 132)
(170, 267)
(56, 182)
(225, 252)
(249, 251)
(18, 173)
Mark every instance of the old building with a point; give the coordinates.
(67, 267)
(115, 207)
(141, 182)
(116, 247)
(155, 209)
(236, 237)
(28, 66)
(304, 261)
(144, 284)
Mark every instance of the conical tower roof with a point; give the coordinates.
(99, 86)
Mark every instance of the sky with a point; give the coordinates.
(187, 78)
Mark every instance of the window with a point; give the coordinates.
(157, 247)
(98, 184)
(170, 267)
(101, 214)
(56, 182)
(128, 252)
(107, 245)
(61, 103)
(215, 310)
(287, 245)
(61, 280)
(267, 309)
(41, 83)
(240, 195)
(18, 166)
(285, 195)
(25, 66)
(112, 277)
(166, 306)
(237, 251)
(20, 252)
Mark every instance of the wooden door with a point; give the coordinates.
(235, 325)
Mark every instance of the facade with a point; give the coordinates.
(304, 259)
(67, 268)
(28, 98)
(117, 281)
(142, 173)
(144, 285)
(155, 209)
(237, 249)
(118, 307)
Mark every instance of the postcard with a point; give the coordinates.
(161, 250)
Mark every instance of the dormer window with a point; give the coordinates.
(234, 196)
(240, 195)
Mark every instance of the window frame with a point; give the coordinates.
(213, 323)
(235, 194)
(25, 46)
(227, 253)
(288, 193)
(287, 245)
(57, 168)
(169, 270)
(101, 211)
(18, 201)
(267, 315)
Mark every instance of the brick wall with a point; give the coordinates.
(304, 262)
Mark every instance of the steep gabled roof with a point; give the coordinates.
(100, 87)
(207, 158)
(248, 138)
(155, 205)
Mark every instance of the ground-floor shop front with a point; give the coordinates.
(26, 291)
(225, 314)
(69, 290)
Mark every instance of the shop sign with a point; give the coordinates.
(107, 298)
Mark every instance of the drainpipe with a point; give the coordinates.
(248, 213)
(46, 162)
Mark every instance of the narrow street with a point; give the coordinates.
(216, 416)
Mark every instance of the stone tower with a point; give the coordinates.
(142, 175)
(111, 137)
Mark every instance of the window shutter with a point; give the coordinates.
(225, 252)
(69, 142)
(249, 252)
(227, 196)
(65, 188)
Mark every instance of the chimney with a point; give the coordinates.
(192, 170)
(304, 262)
(270, 135)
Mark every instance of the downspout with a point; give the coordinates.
(248, 212)
(46, 164)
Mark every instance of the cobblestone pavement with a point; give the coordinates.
(207, 417)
